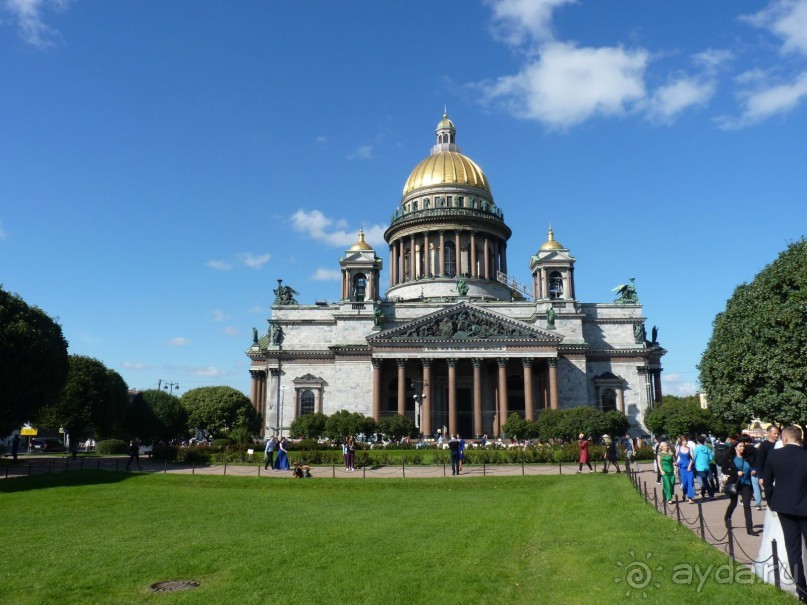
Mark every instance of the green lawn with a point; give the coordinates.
(103, 537)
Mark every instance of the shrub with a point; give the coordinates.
(193, 454)
(219, 445)
(112, 446)
(164, 452)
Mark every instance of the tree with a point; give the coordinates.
(515, 427)
(156, 414)
(33, 361)
(343, 423)
(397, 426)
(547, 425)
(755, 363)
(219, 409)
(92, 396)
(309, 425)
(680, 416)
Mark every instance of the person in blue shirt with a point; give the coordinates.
(739, 473)
(703, 456)
(629, 452)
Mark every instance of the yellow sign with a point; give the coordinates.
(27, 431)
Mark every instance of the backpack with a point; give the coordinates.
(722, 454)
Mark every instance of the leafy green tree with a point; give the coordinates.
(219, 409)
(547, 425)
(591, 421)
(397, 426)
(515, 427)
(311, 426)
(93, 396)
(343, 423)
(159, 415)
(756, 361)
(682, 416)
(33, 361)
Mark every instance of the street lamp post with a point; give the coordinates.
(167, 386)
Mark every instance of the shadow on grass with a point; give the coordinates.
(62, 479)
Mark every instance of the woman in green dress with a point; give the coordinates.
(665, 463)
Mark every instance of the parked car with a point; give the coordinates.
(44, 444)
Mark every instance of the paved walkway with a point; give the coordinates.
(746, 548)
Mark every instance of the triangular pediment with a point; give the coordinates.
(464, 322)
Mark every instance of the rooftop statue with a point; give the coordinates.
(626, 293)
(284, 295)
(462, 287)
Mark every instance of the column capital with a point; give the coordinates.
(476, 361)
(527, 361)
(401, 363)
(377, 363)
(552, 362)
(452, 362)
(275, 372)
(426, 362)
(502, 361)
(641, 370)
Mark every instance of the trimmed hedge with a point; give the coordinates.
(112, 446)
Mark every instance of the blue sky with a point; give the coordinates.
(163, 163)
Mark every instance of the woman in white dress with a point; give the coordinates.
(772, 530)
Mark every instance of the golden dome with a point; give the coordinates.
(550, 243)
(445, 123)
(446, 168)
(361, 244)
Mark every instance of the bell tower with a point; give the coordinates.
(552, 270)
(361, 269)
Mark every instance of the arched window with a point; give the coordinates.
(414, 206)
(307, 402)
(608, 401)
(555, 285)
(359, 287)
(451, 259)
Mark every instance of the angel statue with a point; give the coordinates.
(626, 293)
(284, 295)
(462, 287)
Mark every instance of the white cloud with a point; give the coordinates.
(3, 233)
(209, 371)
(326, 275)
(134, 365)
(29, 17)
(179, 341)
(333, 232)
(254, 261)
(363, 152)
(219, 315)
(568, 85)
(762, 100)
(320, 140)
(787, 19)
(517, 21)
(676, 384)
(671, 99)
(712, 59)
(230, 331)
(220, 265)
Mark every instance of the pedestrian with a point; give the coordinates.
(462, 449)
(344, 452)
(630, 452)
(583, 444)
(134, 453)
(765, 448)
(685, 464)
(351, 453)
(454, 452)
(667, 468)
(751, 452)
(611, 454)
(702, 456)
(738, 484)
(15, 446)
(269, 453)
(282, 460)
(656, 448)
(785, 482)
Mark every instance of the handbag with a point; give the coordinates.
(730, 489)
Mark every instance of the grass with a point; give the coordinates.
(103, 537)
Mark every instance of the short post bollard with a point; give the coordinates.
(117, 462)
(731, 542)
(700, 519)
(403, 470)
(193, 467)
(522, 468)
(655, 497)
(99, 465)
(225, 469)
(484, 469)
(775, 553)
(677, 510)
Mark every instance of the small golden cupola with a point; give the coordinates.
(550, 243)
(361, 244)
(552, 270)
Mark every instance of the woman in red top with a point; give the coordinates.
(583, 444)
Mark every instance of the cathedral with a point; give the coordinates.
(452, 342)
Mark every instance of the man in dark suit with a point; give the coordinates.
(785, 482)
